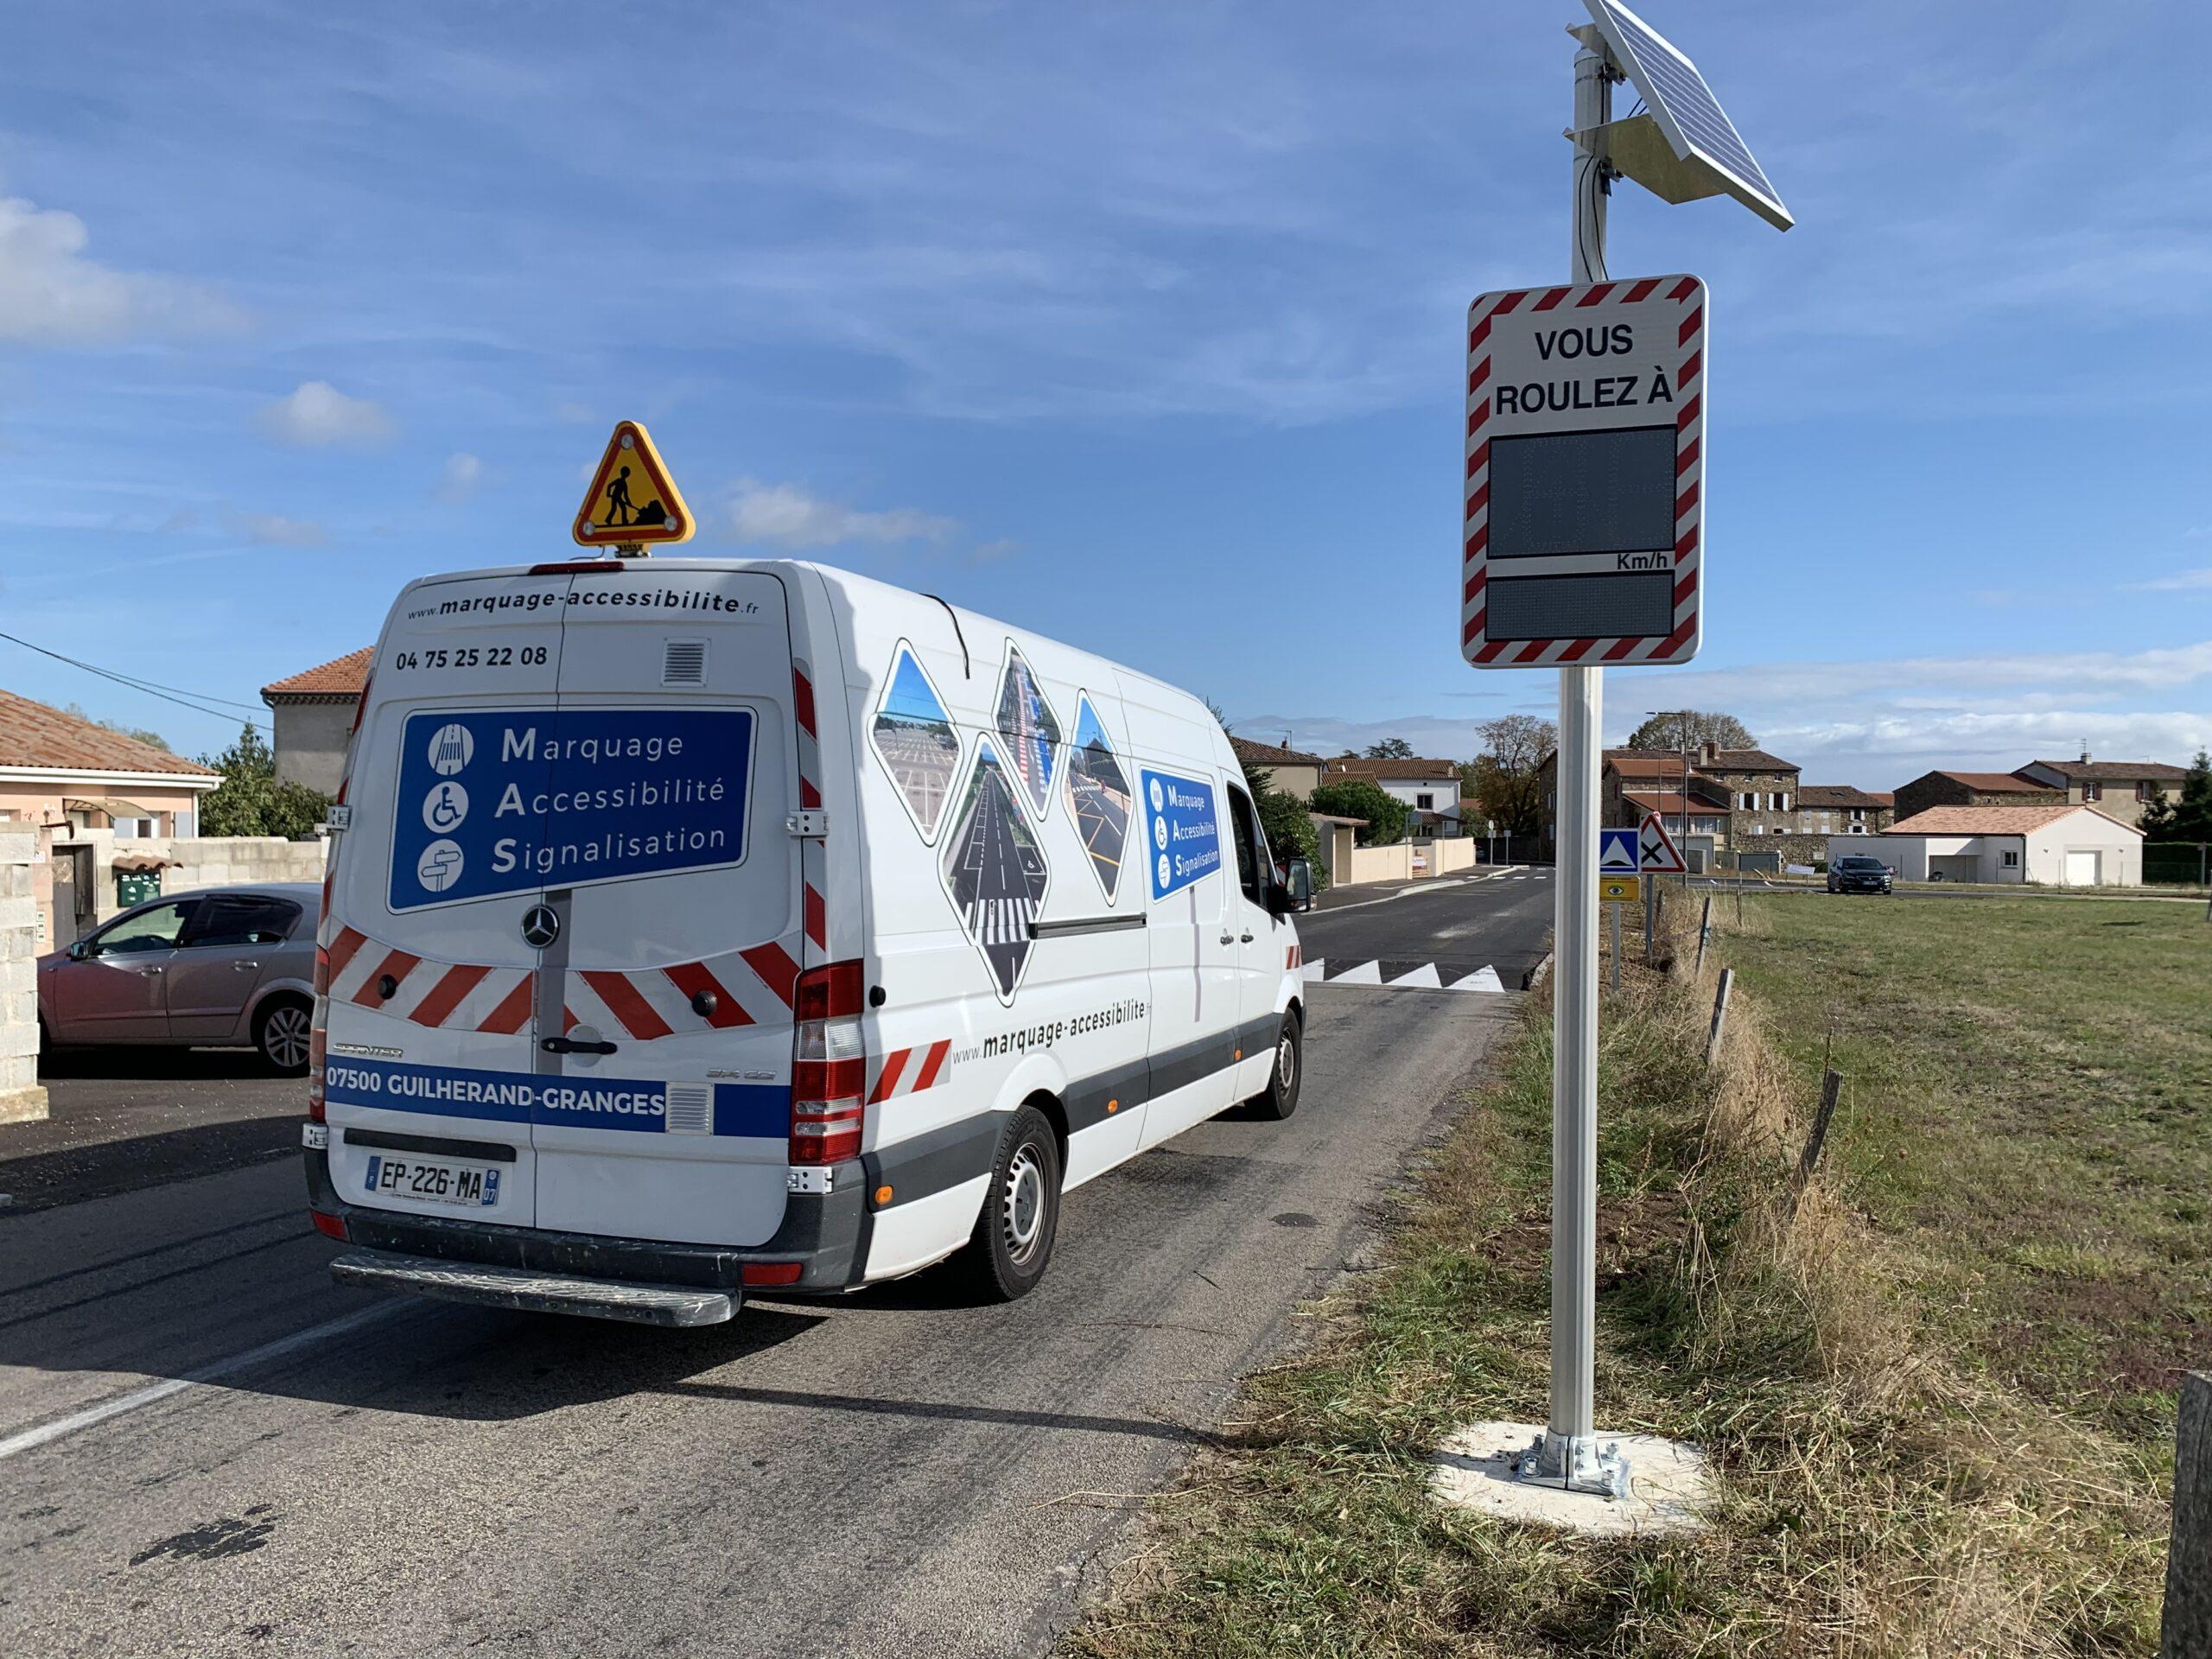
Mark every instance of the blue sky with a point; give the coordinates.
(1139, 325)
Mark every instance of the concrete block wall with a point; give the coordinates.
(21, 1095)
(219, 861)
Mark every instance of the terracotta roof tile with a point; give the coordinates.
(340, 676)
(1987, 820)
(1839, 794)
(1270, 754)
(34, 734)
(1996, 783)
(1354, 765)
(2115, 772)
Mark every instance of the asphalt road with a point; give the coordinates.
(207, 1447)
(1501, 919)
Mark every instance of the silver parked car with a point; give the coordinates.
(222, 967)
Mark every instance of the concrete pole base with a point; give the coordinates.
(1478, 1468)
(22, 1105)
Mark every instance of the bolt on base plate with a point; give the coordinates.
(1479, 1468)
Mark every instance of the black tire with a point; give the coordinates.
(1013, 1242)
(280, 1032)
(1286, 1076)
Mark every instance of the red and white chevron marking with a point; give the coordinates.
(910, 1070)
(1292, 955)
(1689, 435)
(751, 987)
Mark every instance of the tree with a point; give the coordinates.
(1383, 816)
(137, 733)
(1504, 776)
(1284, 821)
(1687, 727)
(2189, 819)
(250, 801)
(1390, 749)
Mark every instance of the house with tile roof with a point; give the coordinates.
(2118, 789)
(1973, 789)
(311, 716)
(71, 780)
(2057, 843)
(1844, 809)
(1292, 771)
(1429, 788)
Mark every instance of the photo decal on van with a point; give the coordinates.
(994, 869)
(514, 800)
(1182, 832)
(914, 740)
(1098, 797)
(1032, 734)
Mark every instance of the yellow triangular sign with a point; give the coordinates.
(632, 498)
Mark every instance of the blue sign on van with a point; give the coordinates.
(1183, 836)
(519, 799)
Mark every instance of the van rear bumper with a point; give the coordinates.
(535, 1293)
(824, 1232)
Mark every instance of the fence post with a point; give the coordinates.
(2188, 1622)
(1831, 1091)
(1704, 931)
(1720, 1013)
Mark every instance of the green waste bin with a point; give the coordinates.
(136, 887)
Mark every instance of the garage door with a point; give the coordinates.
(2081, 869)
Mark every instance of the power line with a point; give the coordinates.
(167, 693)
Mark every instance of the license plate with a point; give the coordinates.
(469, 1186)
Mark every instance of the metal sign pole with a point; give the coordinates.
(1569, 1453)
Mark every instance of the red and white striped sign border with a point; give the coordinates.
(1689, 431)
(910, 1070)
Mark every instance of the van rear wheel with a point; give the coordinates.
(1012, 1239)
(1280, 1099)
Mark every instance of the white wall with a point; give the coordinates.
(2120, 849)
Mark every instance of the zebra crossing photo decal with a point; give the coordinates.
(1098, 797)
(994, 870)
(915, 740)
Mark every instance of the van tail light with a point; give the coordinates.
(319, 1036)
(828, 1064)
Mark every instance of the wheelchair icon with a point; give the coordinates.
(444, 808)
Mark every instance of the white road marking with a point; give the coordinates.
(1424, 976)
(1313, 970)
(1368, 973)
(1482, 979)
(45, 1433)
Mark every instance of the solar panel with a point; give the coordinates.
(1683, 105)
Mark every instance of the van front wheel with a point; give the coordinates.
(1281, 1098)
(1012, 1239)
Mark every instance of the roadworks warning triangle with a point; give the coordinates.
(632, 500)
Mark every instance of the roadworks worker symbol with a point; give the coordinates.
(632, 498)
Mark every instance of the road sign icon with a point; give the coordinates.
(451, 749)
(444, 808)
(1616, 850)
(1655, 852)
(441, 865)
(1583, 539)
(1619, 889)
(632, 498)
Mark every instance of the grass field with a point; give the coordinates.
(1937, 1391)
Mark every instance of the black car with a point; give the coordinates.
(1859, 874)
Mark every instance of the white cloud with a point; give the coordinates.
(317, 415)
(273, 530)
(52, 295)
(462, 473)
(992, 552)
(2182, 581)
(788, 515)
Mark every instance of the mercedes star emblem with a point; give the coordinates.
(540, 926)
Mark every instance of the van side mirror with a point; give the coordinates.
(1280, 903)
(1301, 884)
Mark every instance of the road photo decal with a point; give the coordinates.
(1098, 798)
(994, 869)
(1032, 736)
(914, 738)
(1182, 835)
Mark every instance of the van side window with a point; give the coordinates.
(1244, 830)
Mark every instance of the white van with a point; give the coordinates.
(700, 924)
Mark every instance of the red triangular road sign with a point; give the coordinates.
(632, 498)
(1655, 852)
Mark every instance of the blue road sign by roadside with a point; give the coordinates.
(1616, 849)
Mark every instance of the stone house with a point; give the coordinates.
(311, 716)
(1843, 810)
(2118, 789)
(1933, 789)
(1292, 771)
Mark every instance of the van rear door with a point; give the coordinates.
(674, 894)
(432, 978)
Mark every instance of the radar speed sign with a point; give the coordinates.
(1582, 542)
